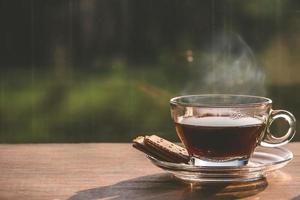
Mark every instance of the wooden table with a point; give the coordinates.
(117, 171)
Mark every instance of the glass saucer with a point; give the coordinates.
(262, 161)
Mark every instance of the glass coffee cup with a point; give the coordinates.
(224, 130)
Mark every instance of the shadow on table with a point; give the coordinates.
(296, 198)
(164, 186)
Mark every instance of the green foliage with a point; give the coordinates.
(96, 107)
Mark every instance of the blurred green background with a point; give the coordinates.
(104, 71)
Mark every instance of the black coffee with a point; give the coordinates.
(218, 138)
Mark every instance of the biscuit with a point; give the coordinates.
(139, 144)
(161, 149)
(167, 148)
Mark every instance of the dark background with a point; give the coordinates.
(104, 71)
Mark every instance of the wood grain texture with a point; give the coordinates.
(117, 171)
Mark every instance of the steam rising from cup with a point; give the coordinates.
(228, 65)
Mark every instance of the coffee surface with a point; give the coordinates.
(220, 137)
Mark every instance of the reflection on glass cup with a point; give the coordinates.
(224, 130)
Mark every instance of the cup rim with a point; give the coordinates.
(265, 101)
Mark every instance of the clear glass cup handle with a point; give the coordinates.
(269, 139)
